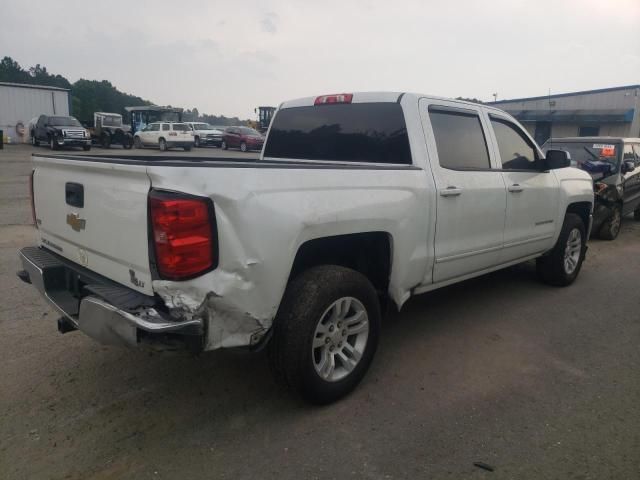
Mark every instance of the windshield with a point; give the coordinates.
(249, 131)
(64, 122)
(600, 159)
(112, 121)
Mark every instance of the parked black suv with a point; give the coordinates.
(59, 131)
(614, 164)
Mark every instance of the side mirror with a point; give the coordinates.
(628, 166)
(557, 159)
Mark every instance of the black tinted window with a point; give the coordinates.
(516, 151)
(358, 132)
(459, 139)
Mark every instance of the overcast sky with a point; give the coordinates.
(229, 57)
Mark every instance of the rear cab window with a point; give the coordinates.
(349, 132)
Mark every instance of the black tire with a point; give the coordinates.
(162, 143)
(137, 142)
(105, 141)
(243, 147)
(552, 268)
(187, 149)
(611, 226)
(34, 140)
(196, 142)
(305, 304)
(127, 141)
(636, 214)
(52, 143)
(224, 145)
(86, 148)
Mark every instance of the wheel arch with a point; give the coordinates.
(583, 210)
(369, 253)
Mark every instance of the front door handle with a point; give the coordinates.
(450, 192)
(515, 188)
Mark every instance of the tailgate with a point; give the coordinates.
(95, 214)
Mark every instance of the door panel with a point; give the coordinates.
(532, 210)
(470, 194)
(532, 194)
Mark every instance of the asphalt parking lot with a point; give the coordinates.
(535, 381)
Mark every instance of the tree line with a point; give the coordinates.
(89, 96)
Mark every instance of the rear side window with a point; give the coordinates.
(180, 127)
(165, 126)
(155, 127)
(354, 132)
(459, 139)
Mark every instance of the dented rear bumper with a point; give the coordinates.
(104, 310)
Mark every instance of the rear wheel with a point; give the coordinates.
(187, 149)
(611, 226)
(127, 141)
(560, 267)
(105, 141)
(326, 333)
(243, 147)
(162, 143)
(86, 148)
(137, 142)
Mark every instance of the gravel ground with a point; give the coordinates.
(535, 381)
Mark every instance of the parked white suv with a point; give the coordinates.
(205, 134)
(164, 135)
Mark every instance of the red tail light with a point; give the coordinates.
(32, 198)
(335, 98)
(183, 234)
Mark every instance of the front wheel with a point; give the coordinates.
(611, 226)
(223, 145)
(196, 142)
(34, 140)
(243, 147)
(163, 145)
(52, 143)
(325, 333)
(560, 267)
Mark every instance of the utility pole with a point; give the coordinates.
(495, 96)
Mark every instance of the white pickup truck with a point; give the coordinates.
(357, 202)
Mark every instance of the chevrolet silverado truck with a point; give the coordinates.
(357, 203)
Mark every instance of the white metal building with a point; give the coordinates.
(605, 112)
(19, 103)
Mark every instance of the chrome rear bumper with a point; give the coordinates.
(106, 311)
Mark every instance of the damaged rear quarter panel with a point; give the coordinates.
(263, 215)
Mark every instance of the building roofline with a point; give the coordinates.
(29, 85)
(569, 94)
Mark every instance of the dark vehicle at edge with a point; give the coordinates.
(60, 131)
(614, 164)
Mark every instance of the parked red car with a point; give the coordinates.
(244, 138)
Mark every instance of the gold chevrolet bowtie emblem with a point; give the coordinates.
(77, 223)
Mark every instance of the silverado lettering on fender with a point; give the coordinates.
(357, 201)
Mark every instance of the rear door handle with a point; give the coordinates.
(515, 188)
(450, 192)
